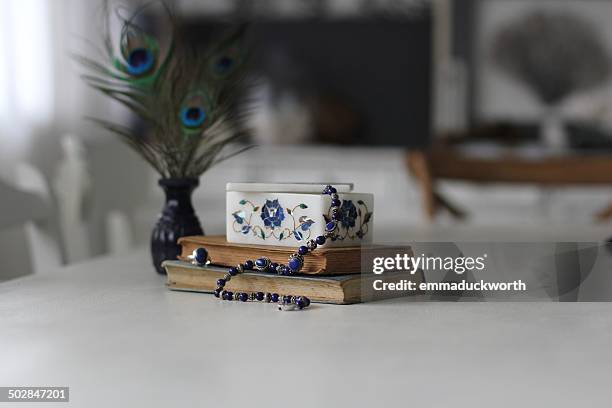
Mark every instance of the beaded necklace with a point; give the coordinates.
(263, 264)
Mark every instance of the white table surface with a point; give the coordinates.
(111, 331)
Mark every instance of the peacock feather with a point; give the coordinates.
(188, 98)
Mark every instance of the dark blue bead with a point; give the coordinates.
(326, 190)
(233, 271)
(303, 250)
(295, 264)
(330, 226)
(300, 304)
(248, 264)
(259, 296)
(332, 190)
(335, 202)
(320, 240)
(286, 299)
(220, 283)
(306, 301)
(229, 295)
(273, 266)
(217, 292)
(201, 256)
(243, 297)
(274, 297)
(262, 262)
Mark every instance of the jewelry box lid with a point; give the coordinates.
(309, 188)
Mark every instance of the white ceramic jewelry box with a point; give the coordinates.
(290, 214)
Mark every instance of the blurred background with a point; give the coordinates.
(468, 120)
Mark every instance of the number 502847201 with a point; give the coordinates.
(50, 394)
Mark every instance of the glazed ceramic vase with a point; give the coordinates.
(178, 219)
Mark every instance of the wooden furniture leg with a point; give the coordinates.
(605, 214)
(419, 166)
(443, 202)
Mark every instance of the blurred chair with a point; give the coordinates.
(28, 209)
(448, 160)
(43, 234)
(72, 186)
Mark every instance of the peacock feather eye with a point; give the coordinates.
(139, 61)
(193, 116)
(223, 63)
(139, 52)
(194, 112)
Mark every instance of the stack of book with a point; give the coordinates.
(329, 275)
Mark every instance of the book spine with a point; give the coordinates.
(230, 256)
(180, 278)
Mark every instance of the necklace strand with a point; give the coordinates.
(295, 263)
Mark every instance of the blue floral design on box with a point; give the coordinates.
(272, 214)
(353, 220)
(275, 223)
(348, 214)
(281, 223)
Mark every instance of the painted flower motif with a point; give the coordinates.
(239, 216)
(348, 214)
(272, 214)
(305, 226)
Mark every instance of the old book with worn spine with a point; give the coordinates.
(327, 261)
(339, 289)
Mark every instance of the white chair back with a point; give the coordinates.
(72, 187)
(29, 242)
(41, 232)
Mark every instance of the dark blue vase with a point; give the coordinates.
(178, 219)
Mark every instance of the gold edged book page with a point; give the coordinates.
(327, 261)
(338, 289)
